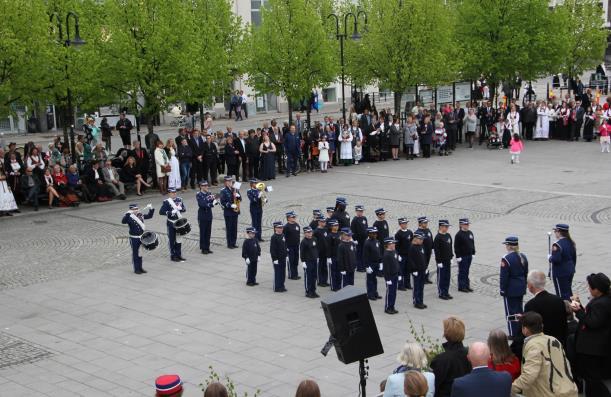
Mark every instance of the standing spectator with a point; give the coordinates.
(244, 102)
(124, 126)
(577, 116)
(589, 120)
(323, 153)
(482, 380)
(308, 388)
(551, 307)
(453, 362)
(220, 142)
(162, 167)
(604, 131)
(501, 358)
(30, 187)
(13, 170)
(543, 119)
(185, 156)
(516, 146)
(252, 151)
(471, 121)
(426, 136)
(211, 158)
(292, 149)
(395, 138)
(7, 199)
(231, 157)
(106, 134)
(412, 358)
(277, 138)
(545, 369)
(268, 163)
(345, 151)
(174, 179)
(529, 120)
(240, 145)
(459, 115)
(593, 336)
(150, 139)
(111, 179)
(199, 162)
(415, 385)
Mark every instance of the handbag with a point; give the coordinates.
(167, 168)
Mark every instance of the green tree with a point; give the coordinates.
(290, 53)
(582, 35)
(407, 43)
(502, 40)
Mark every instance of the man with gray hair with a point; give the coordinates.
(549, 306)
(482, 380)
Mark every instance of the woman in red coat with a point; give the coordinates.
(501, 357)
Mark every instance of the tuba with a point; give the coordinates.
(262, 188)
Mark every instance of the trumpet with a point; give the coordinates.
(262, 190)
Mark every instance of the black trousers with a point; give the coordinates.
(591, 370)
(211, 168)
(253, 167)
(244, 163)
(426, 150)
(280, 158)
(232, 169)
(528, 130)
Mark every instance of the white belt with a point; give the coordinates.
(136, 236)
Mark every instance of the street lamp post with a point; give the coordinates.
(341, 37)
(76, 43)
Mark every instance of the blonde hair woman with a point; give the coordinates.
(162, 167)
(413, 359)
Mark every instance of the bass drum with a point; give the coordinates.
(149, 240)
(182, 226)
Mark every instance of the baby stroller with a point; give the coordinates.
(494, 142)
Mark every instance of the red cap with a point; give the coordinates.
(166, 385)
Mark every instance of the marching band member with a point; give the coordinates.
(278, 252)
(256, 206)
(206, 201)
(251, 251)
(382, 225)
(134, 219)
(332, 244)
(340, 213)
(563, 259)
(308, 250)
(316, 213)
(230, 199)
(172, 207)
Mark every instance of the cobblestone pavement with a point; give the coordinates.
(75, 320)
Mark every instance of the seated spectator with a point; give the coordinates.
(120, 158)
(307, 388)
(99, 154)
(67, 198)
(130, 174)
(501, 357)
(95, 183)
(53, 155)
(593, 336)
(415, 384)
(452, 363)
(551, 307)
(216, 389)
(49, 187)
(66, 159)
(482, 380)
(545, 369)
(76, 185)
(111, 179)
(30, 186)
(412, 358)
(168, 386)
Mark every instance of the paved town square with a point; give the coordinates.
(75, 319)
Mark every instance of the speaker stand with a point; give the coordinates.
(363, 376)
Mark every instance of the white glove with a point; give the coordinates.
(343, 273)
(355, 242)
(247, 261)
(238, 195)
(174, 212)
(400, 278)
(304, 265)
(415, 274)
(458, 260)
(149, 206)
(389, 282)
(329, 261)
(275, 262)
(215, 202)
(234, 206)
(440, 265)
(260, 194)
(400, 259)
(549, 256)
(369, 270)
(265, 200)
(259, 258)
(381, 266)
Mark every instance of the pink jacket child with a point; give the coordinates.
(516, 145)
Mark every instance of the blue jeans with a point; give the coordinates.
(185, 170)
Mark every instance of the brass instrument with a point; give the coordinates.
(236, 201)
(262, 188)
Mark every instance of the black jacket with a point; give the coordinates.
(553, 311)
(359, 228)
(251, 249)
(371, 253)
(292, 233)
(464, 243)
(391, 265)
(332, 244)
(277, 247)
(320, 234)
(443, 248)
(211, 153)
(308, 250)
(449, 365)
(342, 218)
(346, 256)
(594, 332)
(404, 241)
(416, 259)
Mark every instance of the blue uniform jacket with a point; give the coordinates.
(514, 269)
(255, 201)
(564, 258)
(227, 200)
(166, 209)
(134, 228)
(205, 201)
(251, 249)
(292, 144)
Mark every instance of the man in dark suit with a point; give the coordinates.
(366, 126)
(211, 158)
(199, 163)
(241, 145)
(549, 306)
(482, 381)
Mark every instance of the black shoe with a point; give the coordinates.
(175, 259)
(235, 246)
(378, 297)
(449, 296)
(402, 289)
(315, 295)
(210, 252)
(469, 289)
(138, 272)
(182, 259)
(294, 174)
(143, 271)
(428, 282)
(409, 287)
(372, 298)
(463, 290)
(295, 278)
(420, 306)
(261, 240)
(205, 252)
(283, 290)
(230, 247)
(251, 284)
(444, 297)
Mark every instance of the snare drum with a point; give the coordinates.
(182, 226)
(149, 240)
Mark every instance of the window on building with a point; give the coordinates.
(255, 11)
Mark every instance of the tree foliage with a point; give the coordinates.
(290, 53)
(583, 37)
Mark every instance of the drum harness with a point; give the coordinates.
(175, 208)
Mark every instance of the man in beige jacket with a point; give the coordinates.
(545, 369)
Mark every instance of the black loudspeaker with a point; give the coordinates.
(353, 329)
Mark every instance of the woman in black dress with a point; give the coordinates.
(588, 124)
(268, 158)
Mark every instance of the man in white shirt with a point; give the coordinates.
(244, 103)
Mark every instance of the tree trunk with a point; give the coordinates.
(308, 116)
(149, 118)
(201, 117)
(398, 95)
(290, 103)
